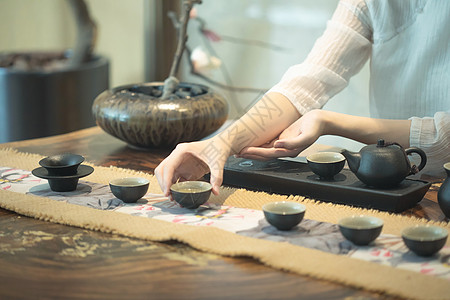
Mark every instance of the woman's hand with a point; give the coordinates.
(315, 123)
(190, 161)
(293, 140)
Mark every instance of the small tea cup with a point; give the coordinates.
(62, 164)
(191, 194)
(360, 229)
(284, 215)
(326, 164)
(424, 240)
(129, 189)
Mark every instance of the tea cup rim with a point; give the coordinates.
(447, 166)
(377, 222)
(442, 234)
(336, 157)
(298, 207)
(204, 186)
(139, 181)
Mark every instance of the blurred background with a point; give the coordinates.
(255, 41)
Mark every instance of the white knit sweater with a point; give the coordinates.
(408, 43)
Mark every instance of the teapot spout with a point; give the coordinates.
(353, 159)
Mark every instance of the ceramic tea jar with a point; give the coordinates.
(137, 115)
(444, 193)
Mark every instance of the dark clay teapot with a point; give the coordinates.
(383, 165)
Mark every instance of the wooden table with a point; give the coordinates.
(44, 260)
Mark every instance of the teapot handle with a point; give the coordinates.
(423, 159)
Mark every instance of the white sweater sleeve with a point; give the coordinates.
(432, 135)
(337, 55)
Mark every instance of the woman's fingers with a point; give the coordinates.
(262, 153)
(184, 163)
(167, 171)
(159, 175)
(216, 179)
(252, 156)
(301, 141)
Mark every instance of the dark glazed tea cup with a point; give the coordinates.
(284, 215)
(62, 164)
(360, 229)
(129, 189)
(326, 164)
(424, 240)
(191, 194)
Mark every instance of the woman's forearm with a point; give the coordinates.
(262, 123)
(367, 130)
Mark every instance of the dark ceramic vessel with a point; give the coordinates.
(191, 194)
(42, 100)
(383, 165)
(129, 189)
(444, 193)
(360, 230)
(63, 183)
(62, 164)
(136, 114)
(284, 215)
(424, 240)
(326, 164)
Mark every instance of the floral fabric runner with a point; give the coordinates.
(387, 249)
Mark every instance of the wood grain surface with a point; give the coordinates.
(42, 260)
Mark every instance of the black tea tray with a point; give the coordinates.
(295, 178)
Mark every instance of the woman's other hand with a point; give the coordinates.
(315, 123)
(293, 140)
